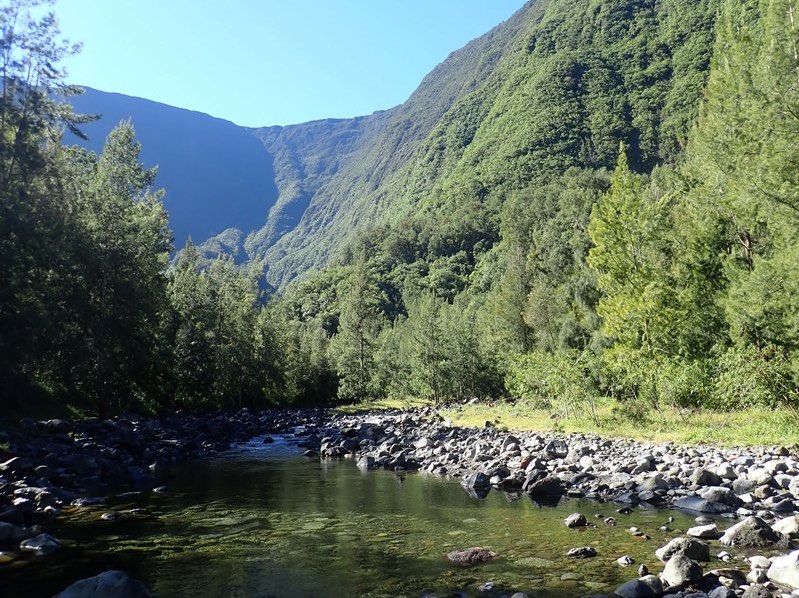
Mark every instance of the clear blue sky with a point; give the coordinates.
(265, 62)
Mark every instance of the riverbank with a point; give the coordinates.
(745, 427)
(56, 465)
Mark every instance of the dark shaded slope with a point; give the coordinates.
(217, 175)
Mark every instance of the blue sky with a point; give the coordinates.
(265, 62)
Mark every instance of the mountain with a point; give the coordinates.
(217, 175)
(557, 85)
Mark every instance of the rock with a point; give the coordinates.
(583, 552)
(680, 570)
(789, 526)
(424, 443)
(366, 462)
(721, 592)
(759, 562)
(575, 520)
(40, 545)
(756, 591)
(109, 583)
(88, 501)
(697, 503)
(638, 588)
(643, 570)
(549, 486)
(785, 570)
(722, 495)
(625, 561)
(471, 556)
(693, 549)
(705, 532)
(705, 477)
(752, 532)
(743, 486)
(557, 449)
(112, 516)
(735, 577)
(477, 479)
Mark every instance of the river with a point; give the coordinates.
(262, 521)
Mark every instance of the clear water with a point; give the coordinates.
(262, 522)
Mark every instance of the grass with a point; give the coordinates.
(381, 405)
(750, 427)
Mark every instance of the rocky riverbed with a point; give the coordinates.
(745, 499)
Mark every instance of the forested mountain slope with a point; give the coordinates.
(558, 85)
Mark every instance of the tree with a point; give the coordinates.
(628, 230)
(36, 214)
(355, 344)
(126, 244)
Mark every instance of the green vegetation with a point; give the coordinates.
(747, 427)
(592, 210)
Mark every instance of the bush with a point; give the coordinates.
(754, 377)
(632, 376)
(559, 381)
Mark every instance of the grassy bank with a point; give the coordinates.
(751, 427)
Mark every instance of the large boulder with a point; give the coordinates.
(549, 486)
(753, 532)
(110, 583)
(785, 570)
(697, 503)
(789, 526)
(681, 570)
(705, 477)
(693, 549)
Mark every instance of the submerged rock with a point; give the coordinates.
(41, 545)
(582, 552)
(116, 584)
(471, 556)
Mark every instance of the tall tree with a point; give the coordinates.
(126, 251)
(356, 342)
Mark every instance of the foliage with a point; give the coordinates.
(752, 377)
(474, 243)
(557, 381)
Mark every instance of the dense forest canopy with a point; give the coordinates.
(603, 203)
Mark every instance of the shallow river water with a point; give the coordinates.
(262, 522)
